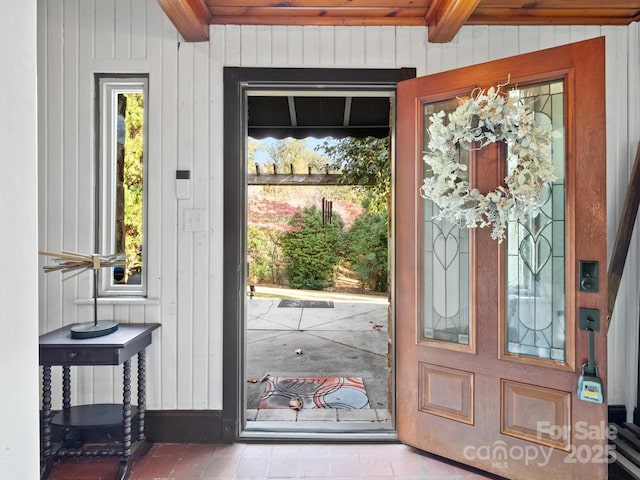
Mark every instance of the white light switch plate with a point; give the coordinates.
(195, 220)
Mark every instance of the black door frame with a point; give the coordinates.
(237, 80)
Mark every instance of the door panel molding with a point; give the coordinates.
(446, 392)
(525, 407)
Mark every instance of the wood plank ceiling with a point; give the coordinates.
(442, 17)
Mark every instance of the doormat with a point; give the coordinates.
(314, 392)
(306, 303)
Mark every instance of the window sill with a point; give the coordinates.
(122, 300)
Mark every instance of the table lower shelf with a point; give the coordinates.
(91, 416)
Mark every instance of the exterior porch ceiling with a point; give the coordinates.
(300, 116)
(442, 17)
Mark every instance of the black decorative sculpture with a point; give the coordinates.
(79, 262)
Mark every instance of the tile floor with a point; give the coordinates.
(173, 461)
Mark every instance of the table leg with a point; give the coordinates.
(66, 400)
(47, 458)
(46, 411)
(141, 393)
(126, 421)
(126, 409)
(66, 387)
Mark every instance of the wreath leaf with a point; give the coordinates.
(488, 116)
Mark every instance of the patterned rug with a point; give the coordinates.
(315, 392)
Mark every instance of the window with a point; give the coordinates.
(121, 186)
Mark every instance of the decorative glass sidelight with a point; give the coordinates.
(535, 262)
(445, 315)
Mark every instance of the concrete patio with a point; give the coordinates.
(349, 340)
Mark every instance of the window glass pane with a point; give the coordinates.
(121, 183)
(445, 261)
(536, 246)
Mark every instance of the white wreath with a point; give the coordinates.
(488, 117)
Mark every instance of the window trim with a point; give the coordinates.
(107, 87)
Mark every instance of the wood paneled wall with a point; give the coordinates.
(80, 38)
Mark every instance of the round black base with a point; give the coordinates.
(91, 330)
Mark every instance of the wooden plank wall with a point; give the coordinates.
(78, 39)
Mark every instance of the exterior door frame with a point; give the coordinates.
(236, 81)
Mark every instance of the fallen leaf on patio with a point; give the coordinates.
(299, 351)
(377, 327)
(295, 403)
(252, 380)
(264, 377)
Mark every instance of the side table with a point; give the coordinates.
(58, 348)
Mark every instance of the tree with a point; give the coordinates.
(133, 175)
(363, 162)
(264, 255)
(366, 245)
(312, 250)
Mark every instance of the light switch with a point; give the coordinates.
(195, 220)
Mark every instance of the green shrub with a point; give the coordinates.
(312, 250)
(367, 250)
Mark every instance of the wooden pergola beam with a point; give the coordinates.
(445, 18)
(190, 17)
(296, 179)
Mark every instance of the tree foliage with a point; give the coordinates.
(366, 250)
(133, 179)
(363, 162)
(285, 154)
(264, 255)
(312, 250)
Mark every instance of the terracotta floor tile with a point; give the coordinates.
(344, 450)
(284, 467)
(84, 469)
(221, 467)
(315, 450)
(154, 467)
(287, 450)
(167, 449)
(271, 461)
(257, 451)
(199, 449)
(315, 467)
(189, 468)
(378, 466)
(233, 450)
(252, 467)
(406, 466)
(345, 466)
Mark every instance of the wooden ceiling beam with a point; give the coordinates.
(445, 18)
(190, 17)
(321, 4)
(318, 21)
(548, 16)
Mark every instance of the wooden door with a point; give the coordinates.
(489, 348)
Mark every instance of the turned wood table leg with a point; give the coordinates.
(66, 387)
(141, 393)
(47, 459)
(123, 471)
(126, 410)
(46, 411)
(66, 399)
